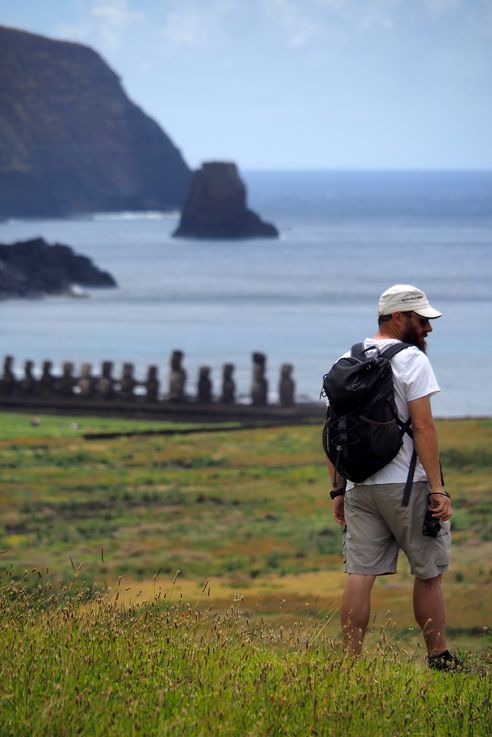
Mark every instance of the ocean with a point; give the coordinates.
(302, 299)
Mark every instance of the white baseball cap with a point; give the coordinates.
(405, 298)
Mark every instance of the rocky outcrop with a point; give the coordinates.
(34, 268)
(70, 139)
(216, 207)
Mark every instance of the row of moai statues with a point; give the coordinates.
(105, 386)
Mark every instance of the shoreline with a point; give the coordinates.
(243, 415)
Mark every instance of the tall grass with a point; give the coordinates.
(77, 663)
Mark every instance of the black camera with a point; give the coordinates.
(431, 525)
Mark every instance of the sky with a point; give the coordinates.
(296, 84)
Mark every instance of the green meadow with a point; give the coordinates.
(188, 583)
(73, 666)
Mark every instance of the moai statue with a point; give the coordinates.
(177, 378)
(228, 395)
(28, 382)
(86, 381)
(128, 382)
(286, 385)
(47, 380)
(106, 382)
(204, 385)
(259, 389)
(7, 382)
(67, 381)
(152, 384)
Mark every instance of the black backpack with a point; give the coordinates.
(362, 431)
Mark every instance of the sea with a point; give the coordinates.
(302, 299)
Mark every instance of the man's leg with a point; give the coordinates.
(430, 613)
(356, 608)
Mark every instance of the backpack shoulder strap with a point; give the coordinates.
(357, 350)
(388, 353)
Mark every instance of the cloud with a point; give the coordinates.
(323, 30)
(184, 28)
(437, 8)
(194, 24)
(299, 27)
(313, 24)
(334, 5)
(103, 24)
(296, 22)
(113, 17)
(115, 13)
(322, 21)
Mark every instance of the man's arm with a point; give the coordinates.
(338, 502)
(427, 448)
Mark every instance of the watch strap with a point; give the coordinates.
(337, 492)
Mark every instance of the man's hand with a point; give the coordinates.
(338, 510)
(440, 506)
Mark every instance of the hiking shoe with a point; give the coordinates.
(445, 661)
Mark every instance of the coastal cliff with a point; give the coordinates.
(34, 268)
(216, 207)
(70, 139)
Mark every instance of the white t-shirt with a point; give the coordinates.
(413, 378)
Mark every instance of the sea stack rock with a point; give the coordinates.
(216, 207)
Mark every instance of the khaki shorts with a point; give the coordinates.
(377, 526)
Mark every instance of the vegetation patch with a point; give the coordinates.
(248, 510)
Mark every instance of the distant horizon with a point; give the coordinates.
(341, 193)
(357, 170)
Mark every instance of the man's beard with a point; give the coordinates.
(415, 337)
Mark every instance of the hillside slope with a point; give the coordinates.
(70, 139)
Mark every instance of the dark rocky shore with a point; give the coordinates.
(34, 268)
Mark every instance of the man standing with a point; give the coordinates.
(377, 524)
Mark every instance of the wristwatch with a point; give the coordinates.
(337, 492)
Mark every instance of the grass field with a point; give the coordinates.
(247, 511)
(189, 584)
